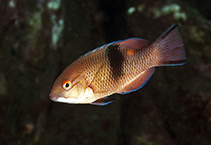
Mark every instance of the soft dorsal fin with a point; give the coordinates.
(138, 82)
(136, 43)
(103, 101)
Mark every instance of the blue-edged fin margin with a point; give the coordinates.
(103, 101)
(138, 82)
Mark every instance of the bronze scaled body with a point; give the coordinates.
(118, 67)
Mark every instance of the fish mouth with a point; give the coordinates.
(57, 98)
(66, 100)
(54, 97)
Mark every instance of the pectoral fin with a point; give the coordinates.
(103, 101)
(138, 82)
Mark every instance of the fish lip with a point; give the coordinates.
(66, 100)
(54, 97)
(57, 98)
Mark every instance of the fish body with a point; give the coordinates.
(118, 67)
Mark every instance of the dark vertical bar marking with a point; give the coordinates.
(115, 59)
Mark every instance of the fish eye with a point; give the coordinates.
(66, 85)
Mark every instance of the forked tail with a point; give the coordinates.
(169, 48)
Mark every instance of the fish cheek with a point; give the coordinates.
(76, 92)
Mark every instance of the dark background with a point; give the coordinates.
(39, 38)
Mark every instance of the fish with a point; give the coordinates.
(119, 67)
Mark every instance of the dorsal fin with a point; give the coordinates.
(136, 43)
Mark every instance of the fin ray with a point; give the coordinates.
(138, 82)
(136, 43)
(103, 101)
(170, 48)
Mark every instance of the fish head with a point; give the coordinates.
(68, 88)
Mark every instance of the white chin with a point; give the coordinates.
(66, 100)
(86, 98)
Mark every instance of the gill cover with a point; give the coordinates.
(68, 92)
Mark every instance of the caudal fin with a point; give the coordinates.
(169, 47)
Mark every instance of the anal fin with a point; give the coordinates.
(103, 101)
(138, 82)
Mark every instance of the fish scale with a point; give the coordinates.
(135, 66)
(118, 67)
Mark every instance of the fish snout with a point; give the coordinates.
(53, 96)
